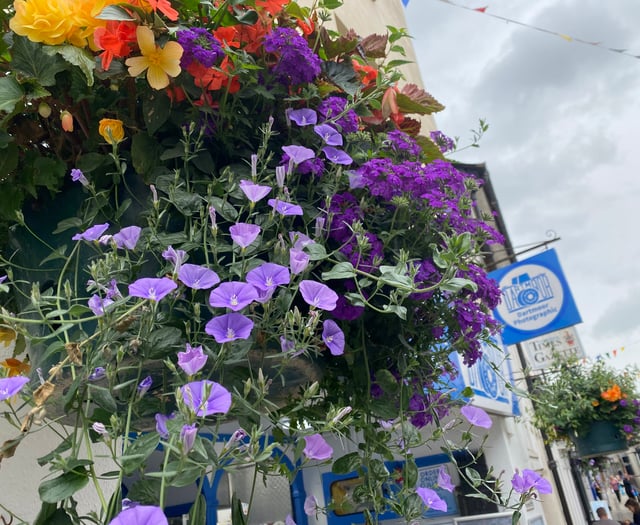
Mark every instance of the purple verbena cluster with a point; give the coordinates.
(334, 109)
(297, 63)
(199, 45)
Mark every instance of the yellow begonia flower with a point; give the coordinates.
(111, 130)
(159, 62)
(15, 366)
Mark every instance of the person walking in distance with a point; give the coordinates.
(614, 483)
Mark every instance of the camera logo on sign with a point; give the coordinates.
(532, 297)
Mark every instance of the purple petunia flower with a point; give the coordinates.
(177, 257)
(127, 237)
(10, 386)
(206, 397)
(298, 154)
(431, 499)
(317, 448)
(192, 360)
(144, 386)
(197, 277)
(476, 416)
(318, 295)
(152, 288)
(303, 117)
(254, 192)
(337, 156)
(98, 305)
(78, 176)
(243, 234)
(234, 295)
(268, 275)
(330, 135)
(140, 515)
(229, 327)
(298, 261)
(529, 480)
(92, 234)
(285, 208)
(161, 424)
(333, 337)
(188, 436)
(444, 480)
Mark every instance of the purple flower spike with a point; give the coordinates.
(140, 515)
(431, 499)
(317, 448)
(127, 237)
(10, 386)
(298, 261)
(188, 436)
(98, 305)
(333, 337)
(267, 276)
(476, 416)
(303, 117)
(444, 480)
(285, 208)
(229, 327)
(192, 360)
(152, 288)
(529, 480)
(329, 134)
(337, 156)
(234, 295)
(78, 176)
(161, 424)
(254, 192)
(92, 234)
(318, 295)
(206, 398)
(198, 277)
(244, 234)
(298, 154)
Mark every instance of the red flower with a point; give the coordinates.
(165, 8)
(115, 40)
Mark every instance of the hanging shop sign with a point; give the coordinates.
(542, 351)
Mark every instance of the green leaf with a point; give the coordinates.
(113, 12)
(138, 451)
(316, 251)
(342, 75)
(224, 208)
(73, 223)
(347, 463)
(397, 279)
(91, 161)
(456, 284)
(474, 477)
(102, 397)
(400, 311)
(10, 93)
(155, 110)
(410, 474)
(407, 105)
(30, 60)
(63, 487)
(342, 270)
(163, 341)
(144, 153)
(76, 57)
(50, 514)
(58, 253)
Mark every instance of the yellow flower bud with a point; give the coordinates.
(111, 130)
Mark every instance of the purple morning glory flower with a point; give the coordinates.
(268, 275)
(444, 480)
(476, 416)
(431, 499)
(198, 277)
(229, 327)
(234, 294)
(177, 257)
(310, 505)
(318, 295)
(206, 397)
(254, 192)
(98, 305)
(10, 386)
(98, 373)
(152, 288)
(303, 117)
(528, 480)
(329, 134)
(298, 261)
(78, 176)
(298, 154)
(337, 156)
(317, 448)
(300, 240)
(140, 515)
(192, 360)
(92, 234)
(244, 234)
(127, 237)
(333, 337)
(161, 424)
(144, 386)
(188, 436)
(285, 208)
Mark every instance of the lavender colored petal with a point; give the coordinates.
(177, 257)
(234, 295)
(98, 305)
(206, 398)
(329, 134)
(318, 295)
(10, 386)
(198, 277)
(92, 234)
(188, 437)
(268, 275)
(161, 424)
(298, 154)
(264, 296)
(300, 240)
(431, 499)
(153, 288)
(192, 360)
(310, 505)
(337, 156)
(254, 192)
(229, 327)
(285, 208)
(333, 337)
(476, 416)
(127, 237)
(303, 117)
(244, 234)
(140, 515)
(298, 261)
(317, 448)
(444, 480)
(289, 520)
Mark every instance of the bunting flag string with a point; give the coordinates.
(611, 354)
(568, 38)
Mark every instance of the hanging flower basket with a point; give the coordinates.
(604, 437)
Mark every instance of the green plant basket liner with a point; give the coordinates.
(602, 438)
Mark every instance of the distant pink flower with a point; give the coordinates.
(243, 234)
(431, 499)
(476, 416)
(317, 448)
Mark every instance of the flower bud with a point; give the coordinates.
(67, 121)
(44, 110)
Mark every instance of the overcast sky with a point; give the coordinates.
(563, 144)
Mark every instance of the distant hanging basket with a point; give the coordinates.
(604, 437)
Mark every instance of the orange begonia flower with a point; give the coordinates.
(67, 120)
(15, 366)
(613, 394)
(160, 63)
(115, 39)
(165, 8)
(367, 74)
(273, 7)
(111, 130)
